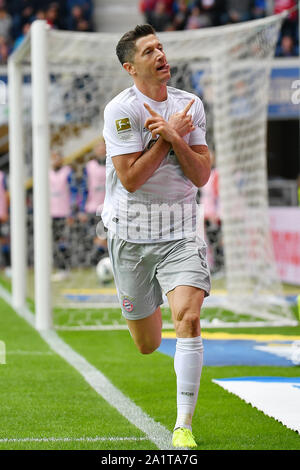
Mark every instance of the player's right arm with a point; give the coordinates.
(122, 133)
(135, 169)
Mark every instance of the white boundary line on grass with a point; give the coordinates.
(154, 431)
(71, 439)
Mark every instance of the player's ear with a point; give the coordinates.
(129, 67)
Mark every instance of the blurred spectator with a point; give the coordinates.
(212, 8)
(290, 24)
(282, 5)
(85, 5)
(63, 205)
(210, 199)
(23, 17)
(158, 13)
(77, 21)
(5, 23)
(4, 217)
(147, 7)
(52, 15)
(94, 179)
(4, 51)
(198, 19)
(40, 14)
(181, 14)
(259, 9)
(84, 26)
(22, 36)
(237, 10)
(160, 16)
(286, 47)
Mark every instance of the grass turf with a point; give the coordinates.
(222, 420)
(42, 396)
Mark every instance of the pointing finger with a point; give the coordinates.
(188, 106)
(150, 110)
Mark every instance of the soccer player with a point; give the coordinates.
(157, 158)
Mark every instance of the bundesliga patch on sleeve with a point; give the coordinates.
(123, 127)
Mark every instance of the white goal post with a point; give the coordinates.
(234, 62)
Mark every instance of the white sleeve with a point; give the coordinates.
(197, 137)
(122, 129)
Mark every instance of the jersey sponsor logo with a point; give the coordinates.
(127, 305)
(202, 126)
(123, 125)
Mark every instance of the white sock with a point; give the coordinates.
(188, 363)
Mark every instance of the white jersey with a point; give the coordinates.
(164, 207)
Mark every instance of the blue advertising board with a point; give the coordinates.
(284, 94)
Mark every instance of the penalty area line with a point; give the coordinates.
(154, 431)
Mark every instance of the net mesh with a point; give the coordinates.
(228, 67)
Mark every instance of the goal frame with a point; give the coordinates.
(38, 41)
(37, 45)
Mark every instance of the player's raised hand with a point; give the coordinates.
(154, 119)
(151, 111)
(182, 122)
(156, 123)
(188, 107)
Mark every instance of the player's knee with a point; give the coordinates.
(149, 348)
(188, 321)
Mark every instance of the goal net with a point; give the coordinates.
(60, 83)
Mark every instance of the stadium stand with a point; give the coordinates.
(171, 15)
(16, 17)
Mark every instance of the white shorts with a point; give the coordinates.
(143, 271)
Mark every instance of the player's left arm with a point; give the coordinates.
(195, 161)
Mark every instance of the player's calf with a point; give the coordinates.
(146, 332)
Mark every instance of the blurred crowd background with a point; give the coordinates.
(79, 188)
(16, 17)
(177, 15)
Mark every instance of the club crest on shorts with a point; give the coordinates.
(127, 305)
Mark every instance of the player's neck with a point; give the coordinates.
(157, 92)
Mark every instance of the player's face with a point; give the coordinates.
(150, 62)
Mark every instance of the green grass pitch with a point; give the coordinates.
(42, 397)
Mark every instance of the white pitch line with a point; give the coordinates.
(20, 352)
(154, 431)
(71, 439)
(166, 326)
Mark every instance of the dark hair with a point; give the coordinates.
(126, 46)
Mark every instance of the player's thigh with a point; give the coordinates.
(146, 332)
(138, 290)
(184, 277)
